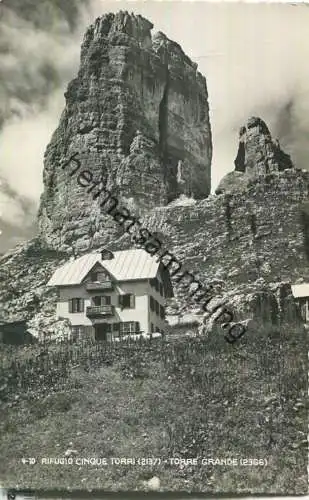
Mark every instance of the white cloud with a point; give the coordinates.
(22, 146)
(35, 70)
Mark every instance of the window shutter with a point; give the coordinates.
(96, 300)
(132, 300)
(70, 305)
(82, 305)
(74, 333)
(157, 307)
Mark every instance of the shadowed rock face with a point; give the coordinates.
(137, 115)
(258, 156)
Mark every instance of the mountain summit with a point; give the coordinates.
(137, 115)
(258, 157)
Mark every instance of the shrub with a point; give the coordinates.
(54, 403)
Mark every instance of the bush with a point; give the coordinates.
(136, 367)
(54, 403)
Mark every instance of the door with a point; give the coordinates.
(101, 332)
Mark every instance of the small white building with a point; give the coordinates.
(113, 294)
(301, 295)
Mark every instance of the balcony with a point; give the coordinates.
(99, 311)
(99, 285)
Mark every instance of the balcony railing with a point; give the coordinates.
(99, 285)
(96, 311)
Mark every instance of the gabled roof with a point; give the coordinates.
(126, 265)
(301, 290)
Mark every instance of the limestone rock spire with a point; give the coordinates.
(137, 107)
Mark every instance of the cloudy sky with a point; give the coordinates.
(254, 56)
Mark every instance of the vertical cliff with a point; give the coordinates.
(137, 115)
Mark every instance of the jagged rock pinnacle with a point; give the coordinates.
(258, 155)
(257, 152)
(137, 109)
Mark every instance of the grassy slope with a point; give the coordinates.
(225, 401)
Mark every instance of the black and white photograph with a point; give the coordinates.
(154, 247)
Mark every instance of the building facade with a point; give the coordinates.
(108, 295)
(301, 295)
(15, 333)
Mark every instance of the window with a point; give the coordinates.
(129, 327)
(94, 277)
(157, 307)
(116, 329)
(161, 290)
(98, 276)
(102, 276)
(162, 312)
(77, 332)
(96, 301)
(76, 305)
(127, 301)
(152, 303)
(101, 300)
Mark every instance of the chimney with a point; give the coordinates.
(106, 254)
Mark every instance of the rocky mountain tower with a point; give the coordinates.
(137, 116)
